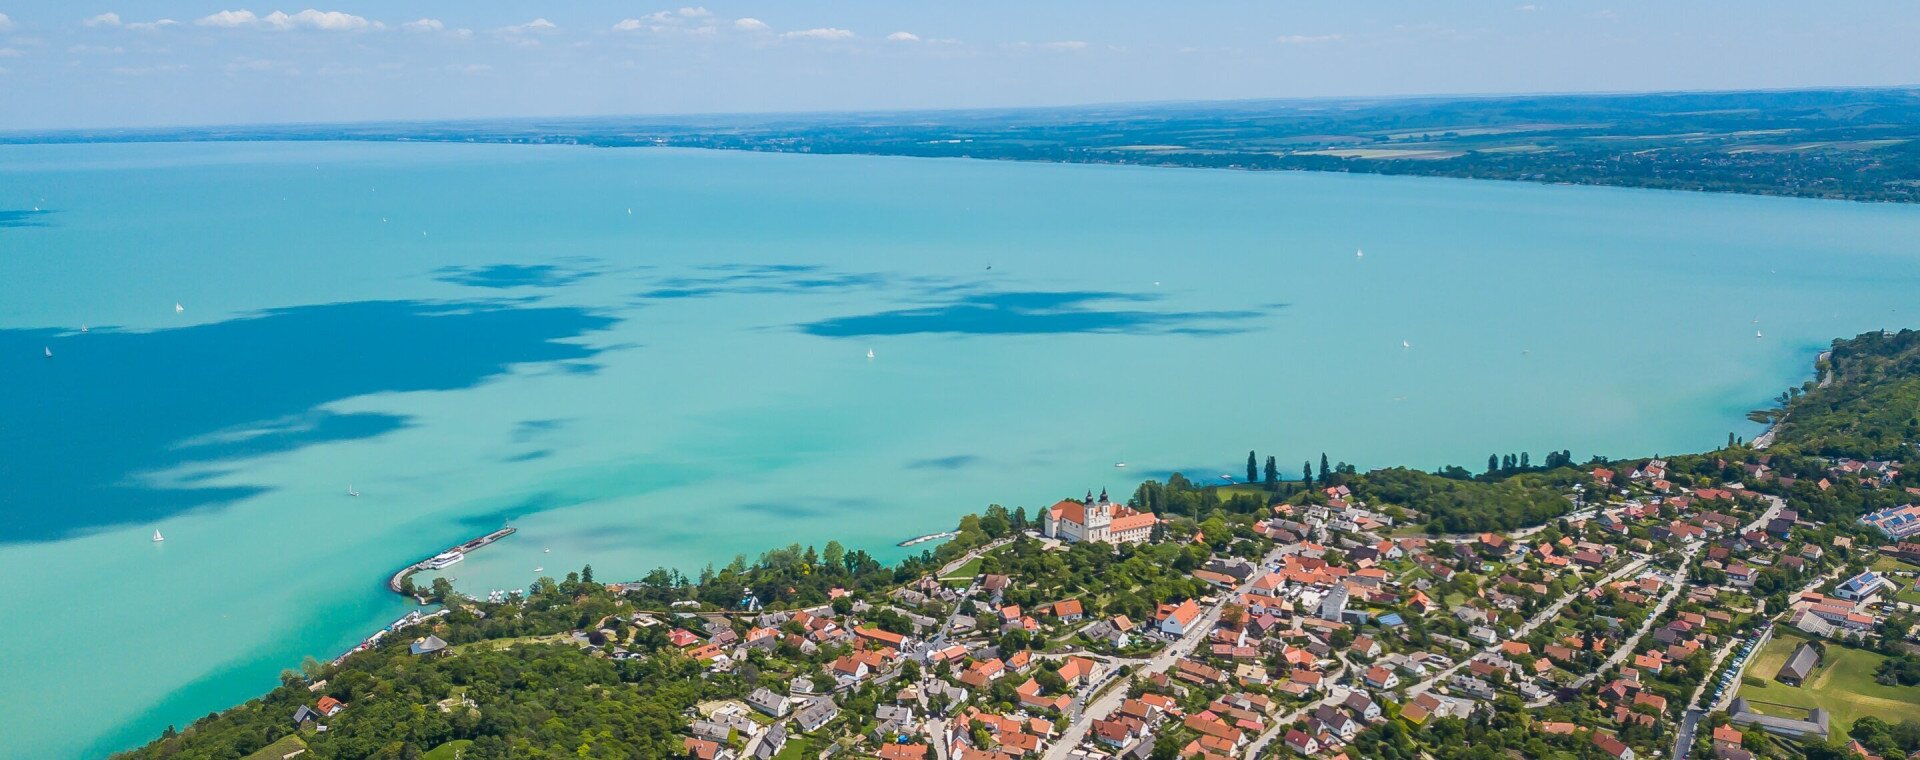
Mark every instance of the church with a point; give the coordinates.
(1101, 520)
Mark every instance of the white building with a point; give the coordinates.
(1100, 521)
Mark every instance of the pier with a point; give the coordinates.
(929, 537)
(396, 584)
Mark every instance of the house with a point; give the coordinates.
(771, 742)
(766, 701)
(329, 706)
(431, 645)
(704, 749)
(1177, 619)
(1741, 575)
(1069, 610)
(1612, 745)
(304, 714)
(1805, 658)
(1302, 742)
(903, 752)
(1381, 678)
(1100, 521)
(817, 713)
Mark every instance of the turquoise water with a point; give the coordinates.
(648, 357)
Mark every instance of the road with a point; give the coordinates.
(1552, 611)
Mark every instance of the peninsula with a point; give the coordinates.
(1753, 601)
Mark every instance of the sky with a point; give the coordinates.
(125, 63)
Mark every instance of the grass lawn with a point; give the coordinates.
(1224, 493)
(286, 745)
(964, 575)
(447, 751)
(1843, 685)
(1891, 565)
(796, 749)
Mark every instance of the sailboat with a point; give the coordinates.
(869, 353)
(1359, 254)
(1120, 464)
(539, 569)
(548, 550)
(177, 308)
(157, 538)
(1758, 334)
(83, 328)
(49, 351)
(351, 492)
(1404, 344)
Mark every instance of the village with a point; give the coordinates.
(1633, 626)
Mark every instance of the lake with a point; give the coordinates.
(646, 357)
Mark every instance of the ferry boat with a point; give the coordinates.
(444, 560)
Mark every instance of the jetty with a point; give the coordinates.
(929, 537)
(397, 583)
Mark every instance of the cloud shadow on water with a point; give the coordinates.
(1038, 313)
(502, 276)
(954, 462)
(82, 434)
(23, 218)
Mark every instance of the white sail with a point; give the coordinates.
(158, 537)
(177, 308)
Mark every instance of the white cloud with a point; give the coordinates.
(1306, 39)
(424, 25)
(823, 33)
(140, 71)
(1528, 8)
(752, 24)
(229, 19)
(904, 37)
(327, 21)
(536, 25)
(148, 26)
(330, 21)
(1064, 45)
(10, 53)
(104, 19)
(694, 12)
(629, 25)
(5, 23)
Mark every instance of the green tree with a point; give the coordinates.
(1273, 473)
(1253, 468)
(835, 555)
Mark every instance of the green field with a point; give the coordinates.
(287, 745)
(1843, 685)
(1891, 565)
(448, 751)
(962, 576)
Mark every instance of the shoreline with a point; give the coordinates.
(397, 582)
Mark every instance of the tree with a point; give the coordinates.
(1253, 467)
(1493, 464)
(586, 574)
(1306, 473)
(1273, 473)
(1323, 468)
(835, 555)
